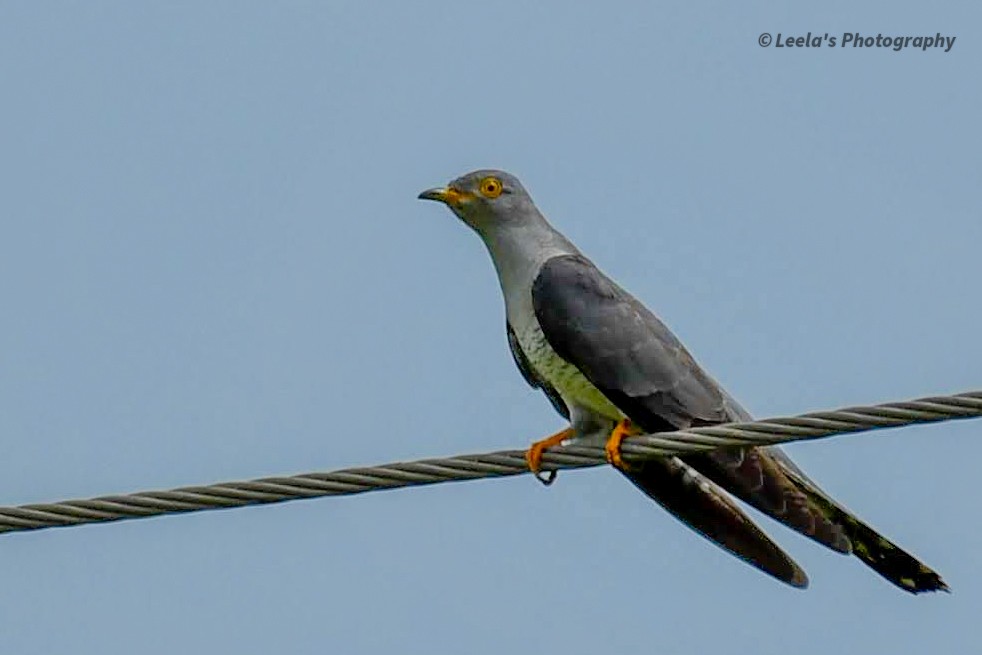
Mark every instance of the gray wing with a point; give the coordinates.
(622, 348)
(691, 497)
(641, 367)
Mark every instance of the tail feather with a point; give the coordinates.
(873, 549)
(704, 507)
(888, 559)
(781, 490)
(754, 477)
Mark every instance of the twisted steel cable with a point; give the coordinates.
(487, 465)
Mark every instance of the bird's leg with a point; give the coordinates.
(613, 446)
(534, 454)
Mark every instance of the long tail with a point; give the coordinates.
(701, 505)
(768, 480)
(876, 551)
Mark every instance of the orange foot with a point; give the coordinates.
(534, 454)
(613, 447)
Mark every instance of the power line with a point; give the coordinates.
(344, 482)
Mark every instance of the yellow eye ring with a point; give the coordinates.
(490, 187)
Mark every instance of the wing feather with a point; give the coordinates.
(639, 365)
(636, 361)
(621, 347)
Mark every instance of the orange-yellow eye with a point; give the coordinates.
(490, 187)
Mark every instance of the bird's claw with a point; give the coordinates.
(533, 456)
(612, 449)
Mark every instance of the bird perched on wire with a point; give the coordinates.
(613, 369)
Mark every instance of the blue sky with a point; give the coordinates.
(213, 267)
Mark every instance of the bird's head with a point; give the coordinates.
(485, 199)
